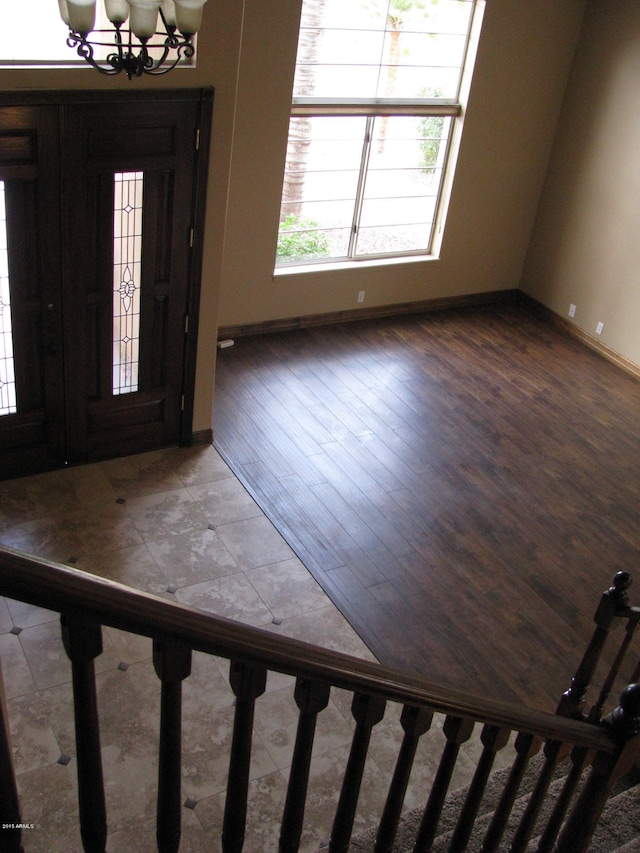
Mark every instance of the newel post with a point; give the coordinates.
(614, 602)
(624, 723)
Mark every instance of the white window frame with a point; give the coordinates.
(419, 107)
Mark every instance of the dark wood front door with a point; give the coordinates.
(102, 202)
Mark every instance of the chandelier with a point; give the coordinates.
(158, 37)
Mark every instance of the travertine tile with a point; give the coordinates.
(193, 557)
(264, 810)
(162, 514)
(325, 627)
(231, 596)
(18, 678)
(27, 615)
(195, 465)
(144, 474)
(34, 743)
(206, 750)
(254, 542)
(224, 501)
(84, 487)
(89, 533)
(133, 566)
(49, 801)
(287, 588)
(6, 619)
(21, 501)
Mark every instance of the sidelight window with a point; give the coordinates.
(376, 110)
(7, 367)
(127, 270)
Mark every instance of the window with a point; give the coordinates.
(376, 102)
(127, 278)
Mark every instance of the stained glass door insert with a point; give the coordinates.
(127, 266)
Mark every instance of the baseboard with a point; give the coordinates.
(202, 436)
(593, 343)
(288, 324)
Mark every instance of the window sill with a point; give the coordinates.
(341, 266)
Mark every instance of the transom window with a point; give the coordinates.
(376, 99)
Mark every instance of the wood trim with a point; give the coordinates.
(202, 436)
(200, 179)
(565, 326)
(31, 97)
(287, 324)
(497, 297)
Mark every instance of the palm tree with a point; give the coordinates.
(300, 128)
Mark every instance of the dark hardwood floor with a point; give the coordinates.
(463, 484)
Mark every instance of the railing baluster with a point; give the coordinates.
(10, 840)
(248, 681)
(526, 746)
(367, 711)
(596, 711)
(83, 643)
(172, 663)
(579, 759)
(613, 603)
(311, 698)
(457, 730)
(493, 740)
(415, 722)
(606, 768)
(554, 752)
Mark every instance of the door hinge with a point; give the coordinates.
(186, 324)
(191, 238)
(197, 139)
(182, 403)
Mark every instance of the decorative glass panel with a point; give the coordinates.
(7, 369)
(127, 267)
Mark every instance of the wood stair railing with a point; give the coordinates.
(86, 603)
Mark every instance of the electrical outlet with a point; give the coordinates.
(572, 310)
(599, 328)
(361, 296)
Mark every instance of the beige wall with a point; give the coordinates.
(585, 247)
(246, 51)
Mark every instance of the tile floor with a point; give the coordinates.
(177, 518)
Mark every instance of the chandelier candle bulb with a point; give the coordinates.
(64, 11)
(144, 17)
(82, 15)
(189, 16)
(117, 10)
(169, 11)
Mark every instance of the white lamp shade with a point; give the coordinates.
(144, 17)
(117, 10)
(64, 12)
(169, 11)
(82, 15)
(189, 15)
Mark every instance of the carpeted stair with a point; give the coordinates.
(617, 832)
